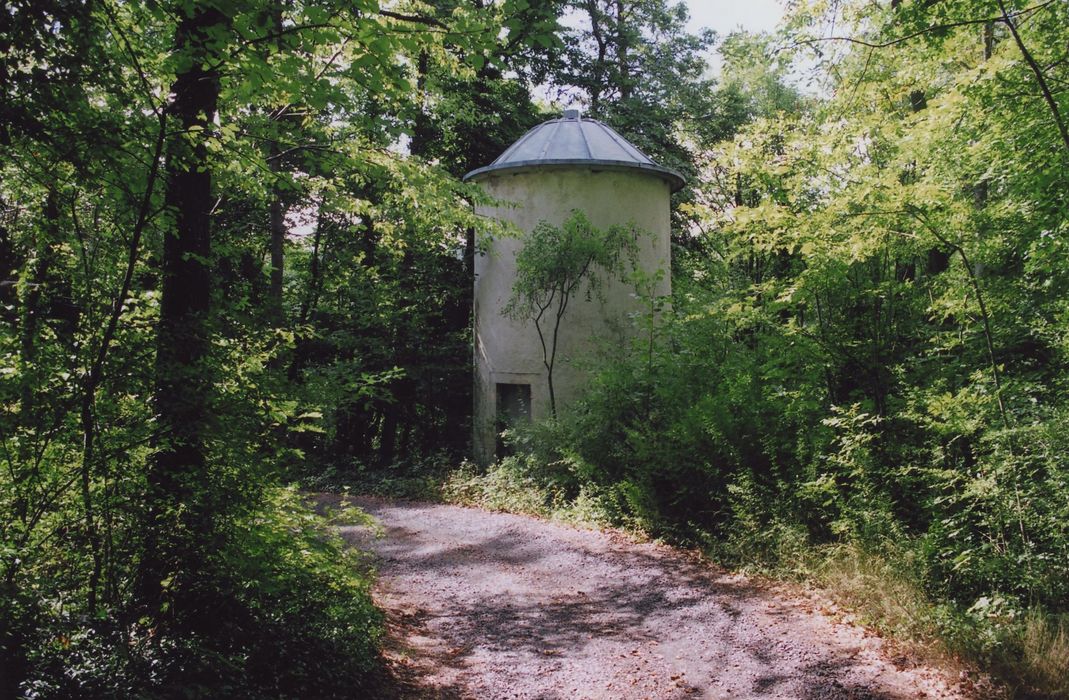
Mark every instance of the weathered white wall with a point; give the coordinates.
(508, 351)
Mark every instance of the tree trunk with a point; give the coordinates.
(422, 128)
(13, 657)
(95, 374)
(311, 297)
(388, 434)
(31, 285)
(596, 31)
(278, 240)
(1037, 71)
(176, 516)
(622, 50)
(277, 213)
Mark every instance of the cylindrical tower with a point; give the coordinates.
(560, 166)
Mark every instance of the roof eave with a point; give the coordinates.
(673, 178)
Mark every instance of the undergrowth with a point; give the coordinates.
(291, 616)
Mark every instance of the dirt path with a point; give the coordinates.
(489, 605)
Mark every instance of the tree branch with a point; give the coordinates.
(920, 32)
(415, 19)
(1047, 96)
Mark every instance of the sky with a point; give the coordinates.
(723, 16)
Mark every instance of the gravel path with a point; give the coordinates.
(491, 605)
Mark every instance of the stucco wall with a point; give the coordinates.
(509, 351)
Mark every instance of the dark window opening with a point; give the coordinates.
(513, 408)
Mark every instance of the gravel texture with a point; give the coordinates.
(492, 605)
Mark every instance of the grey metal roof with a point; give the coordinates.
(572, 140)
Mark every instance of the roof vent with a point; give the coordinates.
(571, 114)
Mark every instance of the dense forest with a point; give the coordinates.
(237, 261)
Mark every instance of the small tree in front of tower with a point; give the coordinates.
(554, 264)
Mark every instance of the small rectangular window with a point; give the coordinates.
(514, 403)
(513, 408)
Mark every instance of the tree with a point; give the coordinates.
(147, 408)
(183, 378)
(554, 263)
(635, 66)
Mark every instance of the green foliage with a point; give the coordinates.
(298, 621)
(527, 483)
(215, 259)
(860, 378)
(558, 262)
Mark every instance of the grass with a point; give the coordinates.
(1028, 652)
(1044, 642)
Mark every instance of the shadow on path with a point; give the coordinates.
(490, 605)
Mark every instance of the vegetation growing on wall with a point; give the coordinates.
(554, 265)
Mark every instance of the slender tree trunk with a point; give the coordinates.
(175, 515)
(277, 210)
(1041, 79)
(13, 657)
(562, 307)
(422, 127)
(278, 241)
(308, 306)
(388, 435)
(822, 331)
(989, 338)
(622, 53)
(597, 32)
(96, 369)
(31, 286)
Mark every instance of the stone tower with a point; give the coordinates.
(557, 167)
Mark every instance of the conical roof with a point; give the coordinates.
(572, 140)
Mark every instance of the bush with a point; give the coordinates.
(290, 616)
(951, 534)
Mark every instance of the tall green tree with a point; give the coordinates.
(150, 400)
(636, 66)
(183, 377)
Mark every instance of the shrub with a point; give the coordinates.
(290, 617)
